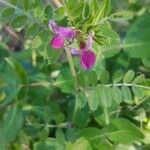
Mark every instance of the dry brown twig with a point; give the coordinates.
(13, 33)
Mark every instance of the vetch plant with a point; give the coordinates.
(67, 79)
(87, 57)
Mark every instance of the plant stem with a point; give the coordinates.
(71, 65)
(139, 103)
(62, 125)
(106, 114)
(126, 84)
(74, 75)
(74, 112)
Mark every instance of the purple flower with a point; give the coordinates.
(60, 34)
(87, 56)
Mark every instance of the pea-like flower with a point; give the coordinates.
(87, 56)
(60, 34)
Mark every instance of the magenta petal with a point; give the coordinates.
(88, 42)
(57, 41)
(66, 32)
(53, 25)
(87, 59)
(75, 51)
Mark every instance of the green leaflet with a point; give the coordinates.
(19, 21)
(126, 93)
(81, 99)
(117, 95)
(129, 75)
(137, 41)
(123, 131)
(93, 99)
(12, 124)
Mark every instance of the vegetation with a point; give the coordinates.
(74, 74)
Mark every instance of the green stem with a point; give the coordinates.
(74, 113)
(106, 114)
(71, 65)
(126, 84)
(74, 75)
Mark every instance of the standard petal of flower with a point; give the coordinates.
(75, 51)
(66, 32)
(87, 59)
(57, 41)
(88, 42)
(53, 25)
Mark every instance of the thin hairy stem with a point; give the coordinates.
(62, 125)
(126, 84)
(71, 65)
(106, 114)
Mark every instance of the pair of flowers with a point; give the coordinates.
(86, 55)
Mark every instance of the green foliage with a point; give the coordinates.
(123, 131)
(44, 107)
(19, 21)
(11, 125)
(137, 41)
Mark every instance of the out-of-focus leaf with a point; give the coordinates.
(82, 144)
(59, 118)
(32, 30)
(94, 6)
(27, 4)
(48, 12)
(146, 62)
(123, 131)
(139, 79)
(71, 3)
(93, 99)
(126, 94)
(81, 116)
(19, 21)
(48, 114)
(21, 73)
(116, 94)
(49, 144)
(64, 81)
(8, 12)
(92, 134)
(104, 76)
(137, 92)
(117, 76)
(103, 11)
(9, 98)
(105, 96)
(120, 16)
(81, 99)
(129, 75)
(60, 136)
(82, 79)
(104, 144)
(4, 52)
(41, 40)
(12, 124)
(92, 77)
(18, 69)
(137, 42)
